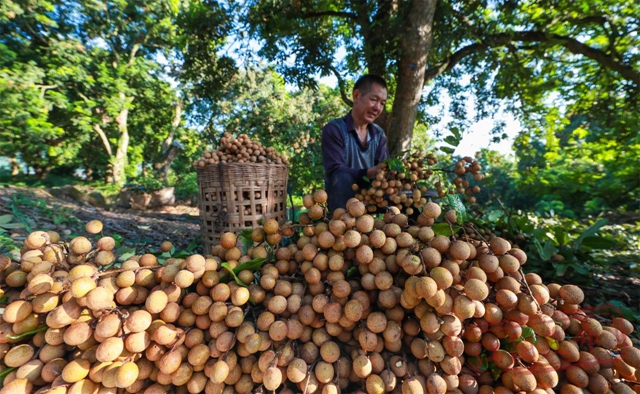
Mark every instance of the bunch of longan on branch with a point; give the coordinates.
(403, 182)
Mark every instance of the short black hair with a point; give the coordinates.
(365, 82)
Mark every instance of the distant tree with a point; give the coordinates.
(87, 82)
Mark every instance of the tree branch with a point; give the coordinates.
(452, 60)
(574, 46)
(341, 85)
(132, 55)
(44, 88)
(103, 137)
(348, 15)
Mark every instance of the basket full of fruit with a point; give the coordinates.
(240, 184)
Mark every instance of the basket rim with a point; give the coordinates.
(242, 165)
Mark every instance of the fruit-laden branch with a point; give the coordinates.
(574, 46)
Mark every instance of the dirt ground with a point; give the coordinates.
(148, 229)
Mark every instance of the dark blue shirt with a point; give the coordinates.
(342, 149)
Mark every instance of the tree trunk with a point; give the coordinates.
(119, 161)
(170, 149)
(15, 167)
(414, 50)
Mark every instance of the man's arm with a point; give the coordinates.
(334, 155)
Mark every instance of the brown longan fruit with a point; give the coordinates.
(94, 227)
(376, 322)
(76, 370)
(270, 226)
(362, 366)
(80, 245)
(228, 240)
(36, 240)
(297, 370)
(109, 349)
(99, 298)
(272, 378)
(156, 301)
(320, 196)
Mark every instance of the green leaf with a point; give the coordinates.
(444, 229)
(461, 210)
(28, 333)
(193, 245)
(4, 373)
(253, 266)
(12, 225)
(352, 271)
(495, 215)
(561, 236)
(527, 332)
(495, 371)
(233, 274)
(245, 236)
(545, 251)
(451, 140)
(595, 242)
(447, 149)
(125, 253)
(456, 132)
(560, 268)
(395, 164)
(181, 254)
(118, 238)
(5, 219)
(591, 231)
(366, 178)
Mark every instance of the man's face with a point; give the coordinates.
(370, 105)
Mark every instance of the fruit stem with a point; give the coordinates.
(524, 281)
(98, 274)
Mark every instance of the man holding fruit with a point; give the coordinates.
(353, 147)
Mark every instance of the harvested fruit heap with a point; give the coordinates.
(240, 150)
(355, 304)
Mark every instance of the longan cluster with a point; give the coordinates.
(240, 150)
(405, 187)
(354, 303)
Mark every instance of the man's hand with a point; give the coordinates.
(371, 172)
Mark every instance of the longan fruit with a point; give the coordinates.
(94, 227)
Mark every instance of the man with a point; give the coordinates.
(353, 146)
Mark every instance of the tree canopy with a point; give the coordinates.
(544, 61)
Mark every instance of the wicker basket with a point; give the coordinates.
(235, 196)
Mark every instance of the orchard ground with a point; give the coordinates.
(611, 295)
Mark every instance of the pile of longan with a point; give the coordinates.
(353, 304)
(240, 150)
(406, 189)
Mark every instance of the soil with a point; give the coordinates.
(145, 230)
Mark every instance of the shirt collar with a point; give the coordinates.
(348, 119)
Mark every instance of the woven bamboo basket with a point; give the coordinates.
(236, 196)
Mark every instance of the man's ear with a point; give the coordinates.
(356, 94)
